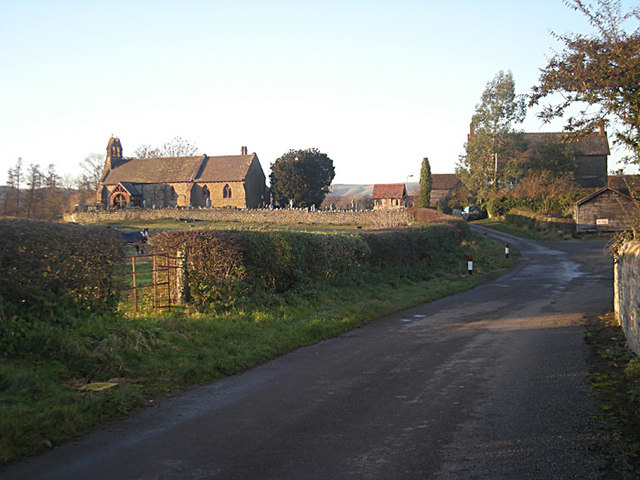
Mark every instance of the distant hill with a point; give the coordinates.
(357, 191)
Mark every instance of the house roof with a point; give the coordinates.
(181, 169)
(444, 181)
(591, 144)
(388, 190)
(624, 182)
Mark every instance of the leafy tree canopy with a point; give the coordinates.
(598, 73)
(302, 177)
(493, 139)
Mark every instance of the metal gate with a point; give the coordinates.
(153, 277)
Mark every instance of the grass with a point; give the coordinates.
(43, 395)
(164, 224)
(615, 381)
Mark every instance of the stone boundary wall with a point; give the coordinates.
(627, 293)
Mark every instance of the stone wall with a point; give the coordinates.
(627, 293)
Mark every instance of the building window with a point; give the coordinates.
(226, 191)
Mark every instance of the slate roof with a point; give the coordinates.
(388, 190)
(624, 182)
(225, 169)
(592, 144)
(181, 169)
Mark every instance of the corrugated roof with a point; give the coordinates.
(230, 168)
(155, 170)
(388, 190)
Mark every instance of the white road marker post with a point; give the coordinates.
(470, 265)
(506, 250)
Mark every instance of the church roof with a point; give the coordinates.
(155, 170)
(230, 168)
(181, 169)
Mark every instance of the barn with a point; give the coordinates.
(195, 181)
(604, 211)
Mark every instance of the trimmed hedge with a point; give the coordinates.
(223, 266)
(559, 206)
(45, 265)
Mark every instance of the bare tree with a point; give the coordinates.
(12, 195)
(177, 147)
(92, 167)
(34, 183)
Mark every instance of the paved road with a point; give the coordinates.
(487, 384)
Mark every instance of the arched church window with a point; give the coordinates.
(226, 191)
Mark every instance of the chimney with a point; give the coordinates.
(601, 130)
(243, 151)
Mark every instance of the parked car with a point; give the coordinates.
(473, 212)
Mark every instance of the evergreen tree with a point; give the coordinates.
(301, 178)
(426, 184)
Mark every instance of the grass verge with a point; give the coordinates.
(82, 369)
(615, 381)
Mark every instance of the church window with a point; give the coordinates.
(226, 191)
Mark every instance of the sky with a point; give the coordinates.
(376, 85)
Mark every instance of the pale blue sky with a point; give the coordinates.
(377, 85)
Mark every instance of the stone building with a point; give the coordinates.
(196, 181)
(390, 196)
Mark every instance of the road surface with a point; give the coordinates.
(490, 383)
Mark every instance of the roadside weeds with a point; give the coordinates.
(614, 372)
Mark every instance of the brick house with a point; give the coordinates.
(389, 196)
(196, 181)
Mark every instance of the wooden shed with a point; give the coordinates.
(606, 210)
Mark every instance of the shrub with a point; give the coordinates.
(558, 206)
(46, 265)
(224, 266)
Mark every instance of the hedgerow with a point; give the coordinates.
(45, 265)
(223, 266)
(558, 206)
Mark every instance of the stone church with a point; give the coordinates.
(197, 181)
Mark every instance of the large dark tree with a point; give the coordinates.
(598, 73)
(301, 177)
